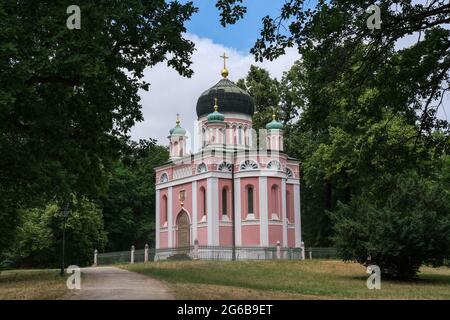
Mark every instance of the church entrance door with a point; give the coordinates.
(183, 233)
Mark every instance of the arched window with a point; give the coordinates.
(203, 137)
(202, 168)
(274, 165)
(249, 165)
(274, 201)
(225, 167)
(245, 136)
(240, 135)
(250, 201)
(164, 177)
(223, 135)
(224, 201)
(164, 209)
(203, 201)
(289, 173)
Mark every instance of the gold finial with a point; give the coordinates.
(216, 107)
(224, 70)
(178, 118)
(273, 114)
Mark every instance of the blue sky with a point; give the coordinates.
(171, 94)
(241, 35)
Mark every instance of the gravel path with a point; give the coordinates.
(110, 283)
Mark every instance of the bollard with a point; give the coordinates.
(95, 257)
(146, 253)
(195, 249)
(132, 254)
(278, 250)
(310, 253)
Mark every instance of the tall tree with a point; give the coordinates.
(129, 203)
(39, 238)
(340, 26)
(67, 95)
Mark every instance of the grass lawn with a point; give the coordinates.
(283, 279)
(32, 284)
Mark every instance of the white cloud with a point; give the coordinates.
(171, 93)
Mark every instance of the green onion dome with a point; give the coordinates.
(274, 124)
(177, 130)
(216, 116)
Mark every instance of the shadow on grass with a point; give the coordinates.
(27, 275)
(423, 279)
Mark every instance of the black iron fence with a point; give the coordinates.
(321, 253)
(215, 253)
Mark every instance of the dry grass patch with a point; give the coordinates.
(32, 285)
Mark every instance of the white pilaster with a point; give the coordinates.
(157, 220)
(212, 214)
(194, 212)
(237, 211)
(263, 213)
(169, 218)
(283, 212)
(215, 210)
(298, 234)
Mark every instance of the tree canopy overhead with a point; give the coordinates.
(336, 29)
(66, 95)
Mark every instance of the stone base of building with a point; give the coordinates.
(226, 253)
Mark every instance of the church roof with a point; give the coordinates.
(177, 130)
(231, 97)
(274, 124)
(216, 116)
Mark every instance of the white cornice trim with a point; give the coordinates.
(227, 175)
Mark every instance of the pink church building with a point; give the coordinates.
(238, 189)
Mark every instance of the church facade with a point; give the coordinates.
(239, 189)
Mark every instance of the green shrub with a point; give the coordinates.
(398, 224)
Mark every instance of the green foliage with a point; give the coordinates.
(66, 96)
(270, 95)
(399, 223)
(129, 203)
(39, 235)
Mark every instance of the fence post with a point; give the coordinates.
(132, 254)
(310, 253)
(278, 250)
(146, 253)
(195, 249)
(302, 245)
(95, 257)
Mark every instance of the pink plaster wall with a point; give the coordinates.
(250, 235)
(290, 202)
(163, 241)
(291, 237)
(202, 235)
(275, 234)
(225, 235)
